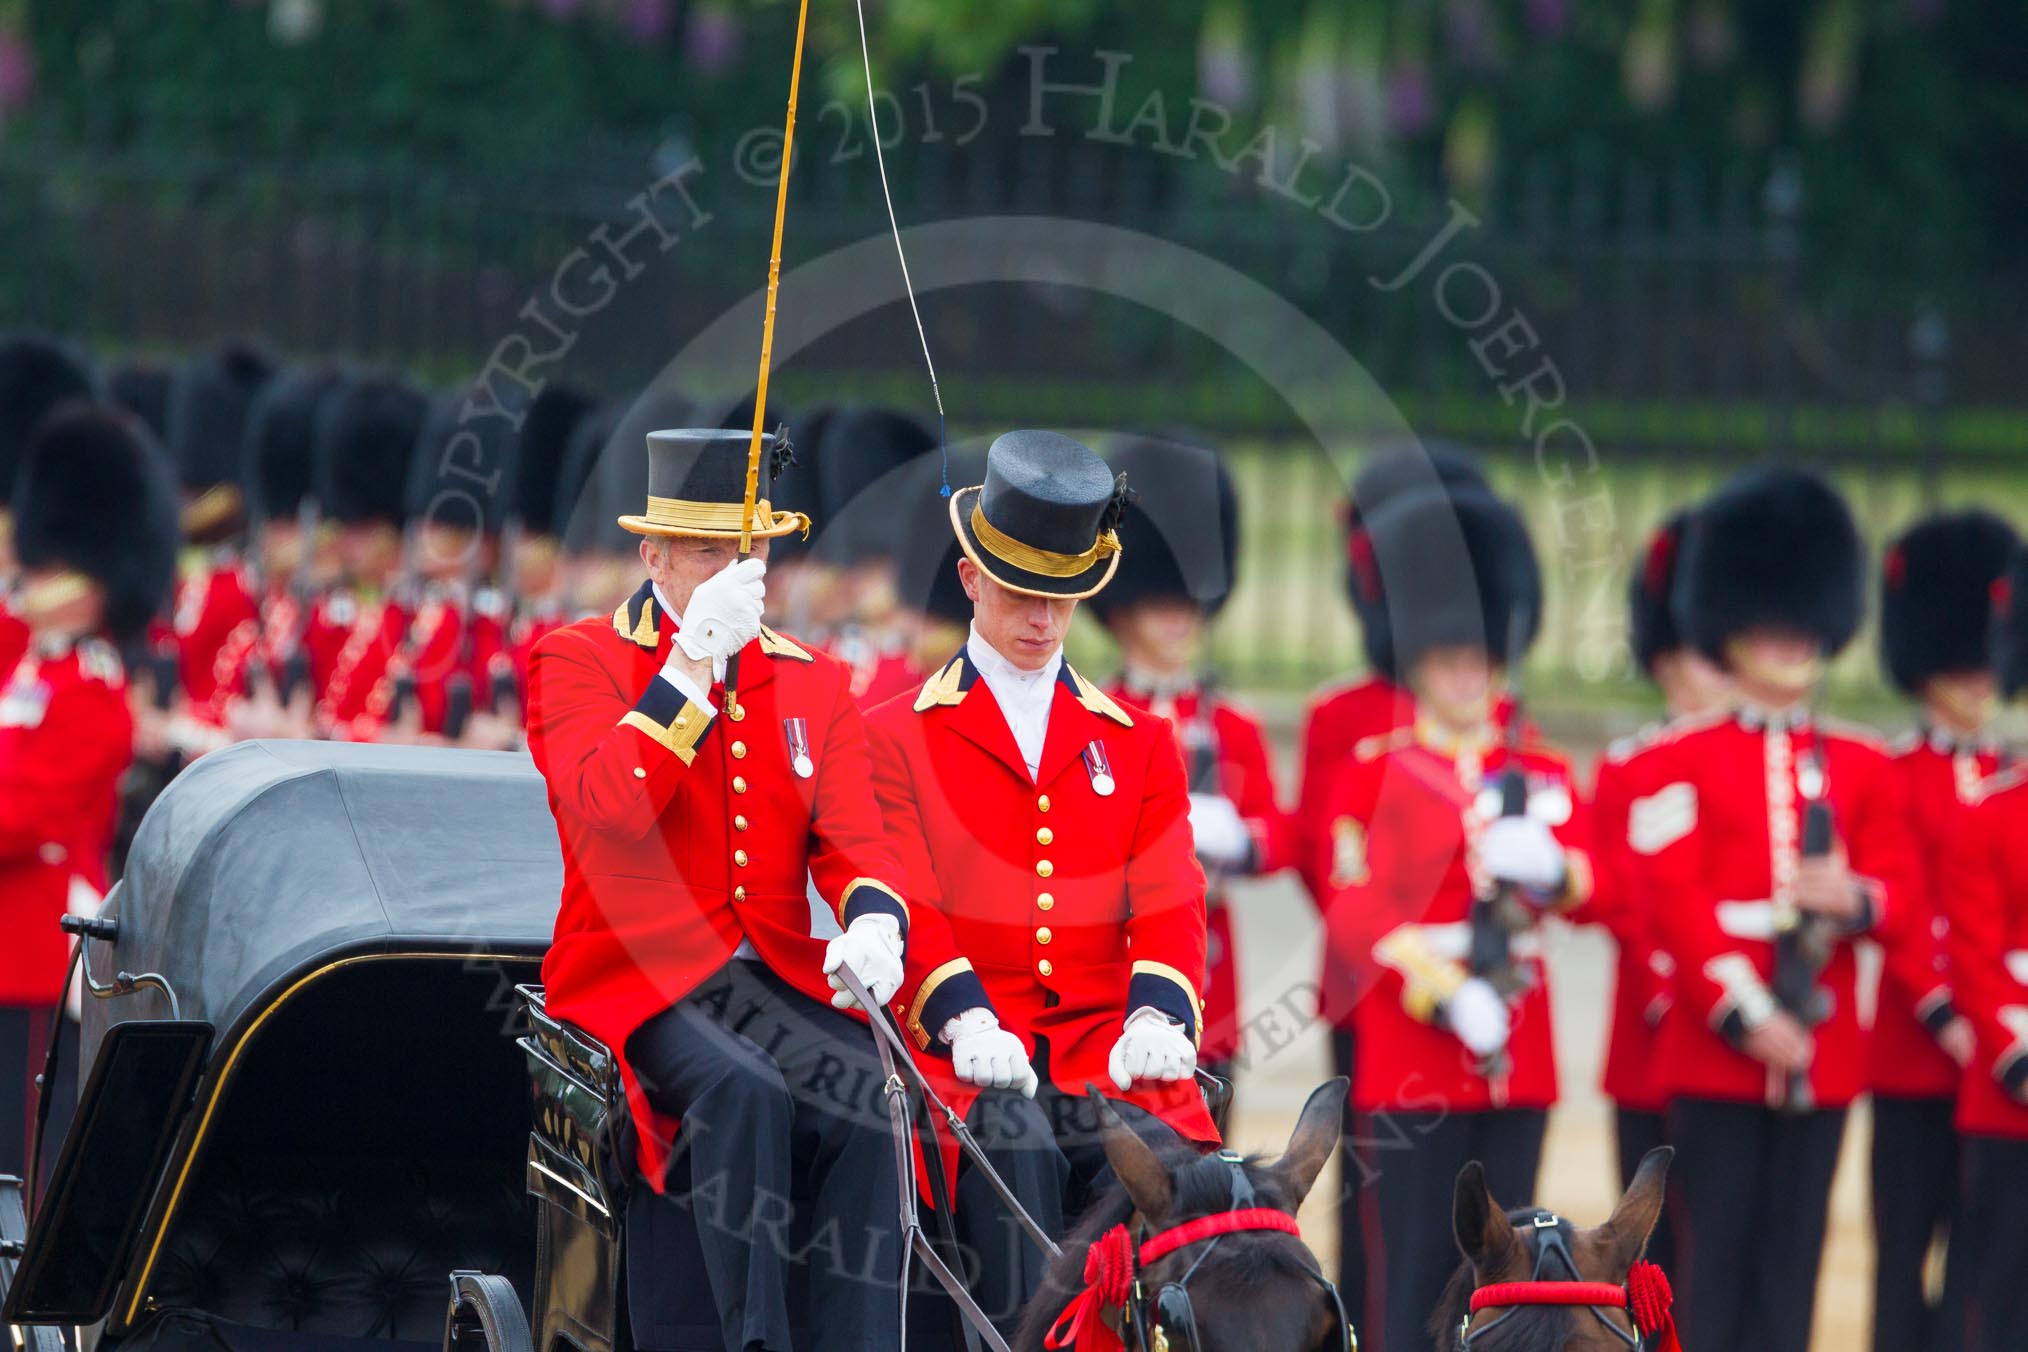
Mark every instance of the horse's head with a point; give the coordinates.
(1529, 1246)
(1250, 1290)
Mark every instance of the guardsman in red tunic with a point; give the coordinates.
(535, 556)
(1051, 827)
(1772, 841)
(96, 539)
(357, 627)
(1936, 584)
(1692, 687)
(690, 817)
(1984, 893)
(36, 376)
(1180, 547)
(1448, 841)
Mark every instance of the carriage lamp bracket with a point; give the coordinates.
(88, 927)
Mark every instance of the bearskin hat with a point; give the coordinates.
(1774, 546)
(605, 473)
(927, 549)
(96, 496)
(1456, 568)
(797, 490)
(2008, 629)
(1651, 626)
(543, 442)
(862, 448)
(142, 388)
(280, 454)
(1392, 470)
(463, 467)
(1180, 535)
(1936, 585)
(208, 407)
(36, 375)
(365, 440)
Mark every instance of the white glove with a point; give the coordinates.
(871, 947)
(1151, 1048)
(1521, 851)
(724, 614)
(1222, 838)
(1478, 1015)
(987, 1055)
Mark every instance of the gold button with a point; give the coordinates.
(1043, 868)
(1045, 901)
(738, 784)
(739, 894)
(737, 713)
(1042, 803)
(739, 750)
(739, 823)
(1044, 967)
(639, 773)
(739, 857)
(1043, 835)
(1043, 936)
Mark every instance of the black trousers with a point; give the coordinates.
(1987, 1280)
(1351, 1225)
(1915, 1192)
(791, 1177)
(1411, 1163)
(1636, 1133)
(1751, 1186)
(1049, 1152)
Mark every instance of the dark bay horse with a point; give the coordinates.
(1251, 1289)
(1531, 1252)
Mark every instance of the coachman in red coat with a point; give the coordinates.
(1050, 826)
(1773, 841)
(96, 539)
(1936, 584)
(693, 801)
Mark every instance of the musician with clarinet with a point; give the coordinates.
(1771, 841)
(1448, 841)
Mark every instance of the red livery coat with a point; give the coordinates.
(66, 737)
(1985, 895)
(1642, 968)
(1072, 906)
(1903, 1058)
(1724, 824)
(1401, 877)
(1225, 752)
(684, 831)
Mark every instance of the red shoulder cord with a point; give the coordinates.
(1109, 1273)
(1646, 1297)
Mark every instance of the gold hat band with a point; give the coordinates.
(1044, 562)
(683, 514)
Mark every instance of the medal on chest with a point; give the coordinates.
(1099, 767)
(797, 731)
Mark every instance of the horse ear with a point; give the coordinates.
(1317, 1133)
(1140, 1171)
(1625, 1234)
(1485, 1236)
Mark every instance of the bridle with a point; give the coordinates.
(1113, 1282)
(1644, 1299)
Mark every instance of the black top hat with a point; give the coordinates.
(365, 439)
(697, 485)
(1773, 546)
(1181, 530)
(541, 446)
(1045, 521)
(1459, 569)
(96, 497)
(36, 375)
(1936, 585)
(1651, 624)
(281, 438)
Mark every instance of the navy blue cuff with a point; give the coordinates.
(945, 993)
(1164, 990)
(869, 896)
(661, 701)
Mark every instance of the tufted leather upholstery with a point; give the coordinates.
(356, 1247)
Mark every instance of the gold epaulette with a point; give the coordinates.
(1097, 700)
(946, 687)
(778, 645)
(1380, 743)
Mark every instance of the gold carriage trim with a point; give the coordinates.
(1046, 562)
